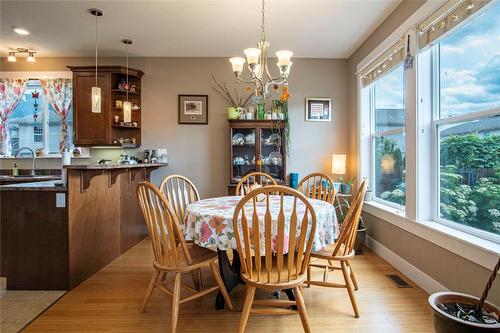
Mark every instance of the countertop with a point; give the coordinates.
(113, 166)
(27, 178)
(50, 185)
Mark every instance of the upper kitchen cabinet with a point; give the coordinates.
(108, 127)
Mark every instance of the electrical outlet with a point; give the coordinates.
(60, 200)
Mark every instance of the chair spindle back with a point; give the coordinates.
(281, 262)
(180, 192)
(317, 186)
(163, 227)
(261, 178)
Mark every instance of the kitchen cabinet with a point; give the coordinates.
(101, 128)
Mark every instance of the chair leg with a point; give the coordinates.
(220, 283)
(353, 277)
(249, 295)
(349, 288)
(150, 289)
(302, 309)
(195, 276)
(325, 274)
(164, 276)
(175, 301)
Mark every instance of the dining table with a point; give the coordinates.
(209, 223)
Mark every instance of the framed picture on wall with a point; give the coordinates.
(318, 109)
(193, 109)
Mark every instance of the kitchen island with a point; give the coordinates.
(55, 236)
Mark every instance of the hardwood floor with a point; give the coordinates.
(110, 301)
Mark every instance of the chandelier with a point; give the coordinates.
(257, 64)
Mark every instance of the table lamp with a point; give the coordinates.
(338, 165)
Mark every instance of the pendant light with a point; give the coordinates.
(127, 105)
(96, 91)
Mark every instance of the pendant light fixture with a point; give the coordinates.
(96, 91)
(127, 105)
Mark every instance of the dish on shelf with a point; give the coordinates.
(273, 139)
(238, 139)
(250, 139)
(274, 158)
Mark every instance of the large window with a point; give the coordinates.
(430, 126)
(388, 114)
(34, 123)
(467, 123)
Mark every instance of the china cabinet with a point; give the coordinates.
(257, 145)
(107, 127)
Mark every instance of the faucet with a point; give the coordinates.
(33, 161)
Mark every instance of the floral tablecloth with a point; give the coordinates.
(209, 222)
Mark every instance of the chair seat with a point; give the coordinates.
(327, 253)
(272, 282)
(199, 255)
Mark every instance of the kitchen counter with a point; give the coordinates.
(114, 166)
(28, 178)
(49, 185)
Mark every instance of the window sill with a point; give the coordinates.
(480, 251)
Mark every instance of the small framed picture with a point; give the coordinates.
(318, 109)
(193, 109)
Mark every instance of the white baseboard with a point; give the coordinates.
(422, 280)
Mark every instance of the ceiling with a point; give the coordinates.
(310, 28)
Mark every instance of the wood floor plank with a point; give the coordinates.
(110, 301)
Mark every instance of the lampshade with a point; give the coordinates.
(127, 112)
(31, 57)
(237, 63)
(11, 57)
(96, 100)
(338, 164)
(284, 57)
(252, 55)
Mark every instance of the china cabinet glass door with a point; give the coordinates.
(243, 152)
(271, 152)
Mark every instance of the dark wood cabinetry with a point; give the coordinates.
(257, 145)
(100, 128)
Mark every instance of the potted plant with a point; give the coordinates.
(236, 102)
(346, 187)
(461, 313)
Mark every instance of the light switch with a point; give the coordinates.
(60, 200)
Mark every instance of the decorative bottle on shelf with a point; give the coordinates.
(261, 112)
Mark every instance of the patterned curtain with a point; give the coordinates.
(11, 92)
(60, 94)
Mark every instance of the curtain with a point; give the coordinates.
(60, 94)
(11, 92)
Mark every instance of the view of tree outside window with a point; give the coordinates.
(388, 136)
(469, 79)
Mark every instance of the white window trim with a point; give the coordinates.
(475, 249)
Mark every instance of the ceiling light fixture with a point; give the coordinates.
(96, 91)
(20, 31)
(12, 57)
(127, 105)
(31, 57)
(257, 64)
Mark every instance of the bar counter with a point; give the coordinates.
(55, 237)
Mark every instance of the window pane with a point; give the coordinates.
(389, 101)
(470, 66)
(390, 168)
(470, 173)
(26, 119)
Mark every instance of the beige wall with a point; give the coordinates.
(453, 271)
(201, 151)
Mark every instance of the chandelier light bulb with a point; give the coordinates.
(11, 57)
(252, 55)
(284, 57)
(237, 63)
(31, 57)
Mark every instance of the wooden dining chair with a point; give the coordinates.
(282, 266)
(260, 178)
(317, 186)
(342, 251)
(180, 192)
(171, 252)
